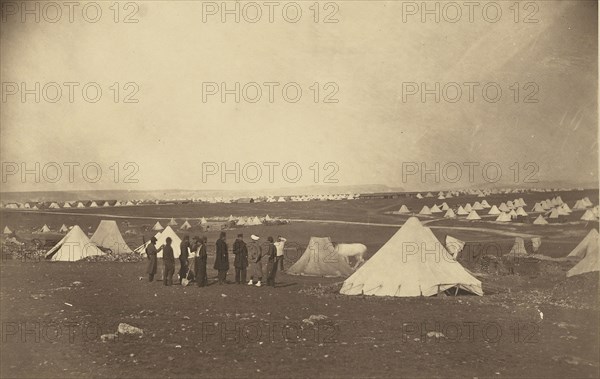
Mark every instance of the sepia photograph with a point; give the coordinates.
(299, 189)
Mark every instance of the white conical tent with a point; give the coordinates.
(521, 212)
(477, 206)
(444, 206)
(461, 211)
(185, 226)
(412, 263)
(579, 205)
(172, 222)
(80, 205)
(203, 221)
(494, 211)
(7, 230)
(425, 210)
(231, 218)
(454, 246)
(256, 221)
(512, 213)
(73, 247)
(468, 208)
(449, 214)
(473, 216)
(45, 229)
(241, 221)
(157, 226)
(485, 204)
(268, 218)
(503, 217)
(588, 216)
(587, 244)
(419, 196)
(565, 207)
(503, 207)
(435, 209)
(404, 209)
(63, 229)
(161, 238)
(589, 263)
(586, 201)
(109, 236)
(67, 205)
(540, 220)
(106, 204)
(93, 205)
(320, 259)
(429, 194)
(54, 206)
(554, 214)
(538, 208)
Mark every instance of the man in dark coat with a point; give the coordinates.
(240, 250)
(222, 259)
(184, 254)
(151, 252)
(201, 258)
(169, 261)
(272, 262)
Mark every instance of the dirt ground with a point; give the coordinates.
(534, 323)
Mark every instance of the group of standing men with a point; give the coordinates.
(252, 254)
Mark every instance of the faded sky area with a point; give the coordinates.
(372, 58)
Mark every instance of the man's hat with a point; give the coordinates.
(255, 237)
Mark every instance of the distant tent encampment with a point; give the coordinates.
(73, 247)
(405, 266)
(319, 259)
(109, 236)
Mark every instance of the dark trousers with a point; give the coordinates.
(168, 275)
(183, 270)
(150, 277)
(272, 272)
(280, 262)
(222, 276)
(240, 275)
(201, 277)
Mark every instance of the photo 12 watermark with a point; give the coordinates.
(271, 12)
(69, 172)
(268, 172)
(470, 92)
(455, 12)
(57, 12)
(469, 172)
(270, 92)
(70, 92)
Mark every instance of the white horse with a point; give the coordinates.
(347, 250)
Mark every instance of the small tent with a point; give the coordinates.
(63, 229)
(411, 263)
(73, 247)
(157, 226)
(477, 206)
(419, 196)
(203, 221)
(518, 248)
(80, 205)
(185, 226)
(109, 236)
(435, 209)
(172, 222)
(521, 212)
(404, 209)
(45, 229)
(93, 205)
(468, 208)
(461, 211)
(538, 208)
(425, 210)
(588, 216)
(444, 206)
(320, 259)
(54, 206)
(106, 204)
(7, 230)
(494, 211)
(473, 216)
(540, 220)
(450, 214)
(66, 205)
(485, 204)
(503, 207)
(503, 217)
(554, 214)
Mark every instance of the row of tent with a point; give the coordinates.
(240, 221)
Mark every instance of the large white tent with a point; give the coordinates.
(73, 247)
(109, 236)
(405, 266)
(589, 250)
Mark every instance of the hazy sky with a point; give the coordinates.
(372, 54)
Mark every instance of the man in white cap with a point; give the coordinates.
(254, 258)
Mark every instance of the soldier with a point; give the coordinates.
(169, 261)
(151, 253)
(240, 250)
(222, 259)
(271, 262)
(255, 256)
(279, 245)
(201, 258)
(184, 254)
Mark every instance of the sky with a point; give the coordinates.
(369, 124)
